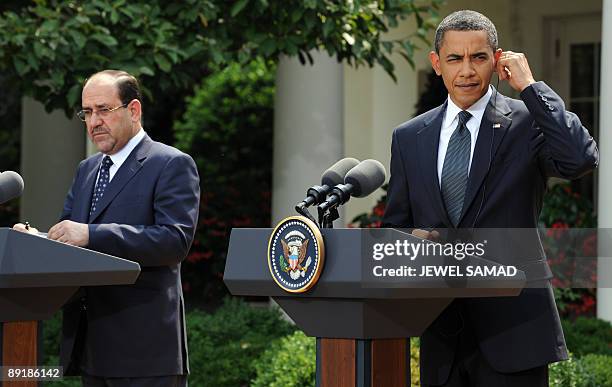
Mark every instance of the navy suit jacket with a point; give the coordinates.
(148, 214)
(536, 139)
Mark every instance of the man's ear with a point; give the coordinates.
(435, 62)
(496, 55)
(135, 110)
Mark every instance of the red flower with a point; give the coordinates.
(379, 210)
(589, 246)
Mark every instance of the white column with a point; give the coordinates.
(604, 213)
(308, 128)
(51, 147)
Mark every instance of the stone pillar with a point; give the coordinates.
(52, 145)
(308, 128)
(604, 212)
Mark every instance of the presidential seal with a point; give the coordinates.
(296, 254)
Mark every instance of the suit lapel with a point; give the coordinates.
(126, 172)
(484, 152)
(427, 149)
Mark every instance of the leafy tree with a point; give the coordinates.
(49, 46)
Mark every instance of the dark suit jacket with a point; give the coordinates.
(537, 138)
(148, 214)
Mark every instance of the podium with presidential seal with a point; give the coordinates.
(335, 285)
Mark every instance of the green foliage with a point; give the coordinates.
(415, 370)
(50, 46)
(588, 336)
(289, 362)
(10, 144)
(591, 370)
(564, 373)
(52, 330)
(562, 206)
(224, 345)
(227, 127)
(595, 371)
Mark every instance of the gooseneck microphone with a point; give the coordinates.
(11, 186)
(317, 194)
(359, 182)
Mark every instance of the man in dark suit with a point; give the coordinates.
(136, 199)
(481, 160)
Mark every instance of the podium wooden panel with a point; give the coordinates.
(20, 348)
(385, 362)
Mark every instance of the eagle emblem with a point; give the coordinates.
(295, 246)
(296, 254)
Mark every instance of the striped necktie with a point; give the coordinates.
(455, 170)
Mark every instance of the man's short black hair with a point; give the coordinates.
(466, 20)
(128, 87)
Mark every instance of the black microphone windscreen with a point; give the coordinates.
(366, 177)
(11, 186)
(335, 174)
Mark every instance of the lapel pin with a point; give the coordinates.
(496, 126)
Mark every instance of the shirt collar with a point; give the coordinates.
(119, 157)
(476, 110)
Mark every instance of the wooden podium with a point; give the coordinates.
(37, 276)
(362, 326)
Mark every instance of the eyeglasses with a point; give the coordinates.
(85, 114)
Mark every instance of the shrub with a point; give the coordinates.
(563, 208)
(52, 329)
(588, 335)
(223, 345)
(415, 370)
(227, 127)
(595, 371)
(289, 362)
(563, 374)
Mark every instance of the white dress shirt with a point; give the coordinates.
(120, 157)
(449, 124)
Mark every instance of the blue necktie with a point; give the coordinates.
(103, 181)
(455, 170)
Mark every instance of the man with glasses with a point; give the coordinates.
(136, 199)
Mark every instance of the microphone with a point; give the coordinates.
(11, 186)
(334, 175)
(359, 182)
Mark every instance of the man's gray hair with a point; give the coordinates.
(466, 20)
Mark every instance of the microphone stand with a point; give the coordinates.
(302, 210)
(326, 219)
